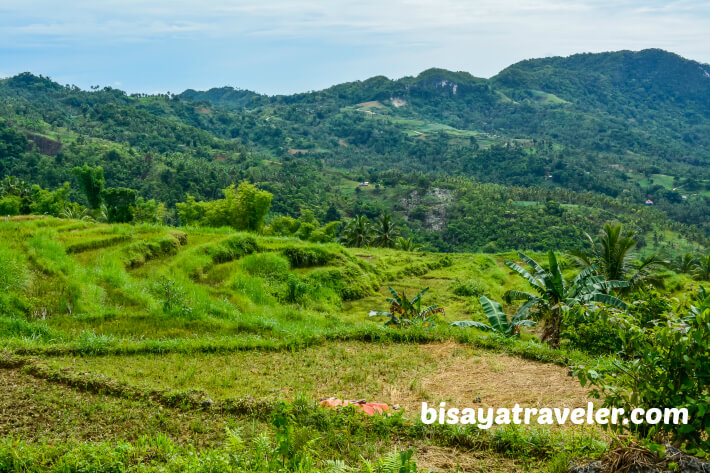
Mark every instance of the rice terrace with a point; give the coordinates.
(438, 272)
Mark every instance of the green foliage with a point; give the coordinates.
(175, 299)
(149, 211)
(308, 256)
(467, 288)
(91, 180)
(555, 296)
(357, 232)
(243, 208)
(385, 232)
(10, 205)
(668, 365)
(594, 330)
(701, 270)
(231, 248)
(404, 312)
(498, 320)
(120, 203)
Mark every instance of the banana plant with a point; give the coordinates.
(553, 296)
(404, 311)
(498, 320)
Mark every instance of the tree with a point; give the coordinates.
(684, 263)
(91, 180)
(120, 202)
(385, 232)
(555, 296)
(498, 320)
(407, 244)
(701, 270)
(613, 253)
(243, 208)
(357, 232)
(332, 214)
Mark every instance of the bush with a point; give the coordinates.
(592, 331)
(467, 288)
(668, 366)
(9, 205)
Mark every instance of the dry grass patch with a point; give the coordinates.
(432, 458)
(465, 375)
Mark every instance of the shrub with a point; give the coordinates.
(295, 289)
(467, 288)
(175, 300)
(668, 366)
(9, 205)
(594, 331)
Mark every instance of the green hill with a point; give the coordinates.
(603, 132)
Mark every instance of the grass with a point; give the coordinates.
(130, 327)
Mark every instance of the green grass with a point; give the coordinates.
(114, 311)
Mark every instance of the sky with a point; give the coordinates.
(287, 46)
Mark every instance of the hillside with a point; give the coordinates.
(597, 133)
(200, 349)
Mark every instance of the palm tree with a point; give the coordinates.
(498, 320)
(701, 270)
(613, 253)
(555, 296)
(357, 232)
(684, 263)
(407, 244)
(385, 232)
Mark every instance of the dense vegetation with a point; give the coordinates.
(539, 154)
(184, 277)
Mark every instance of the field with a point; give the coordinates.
(170, 349)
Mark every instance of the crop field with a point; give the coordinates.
(166, 346)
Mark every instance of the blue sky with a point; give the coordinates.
(286, 46)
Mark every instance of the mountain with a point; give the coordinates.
(600, 133)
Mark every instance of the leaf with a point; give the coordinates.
(419, 296)
(531, 262)
(608, 300)
(472, 323)
(494, 313)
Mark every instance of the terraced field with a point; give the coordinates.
(173, 349)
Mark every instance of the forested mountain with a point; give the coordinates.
(530, 158)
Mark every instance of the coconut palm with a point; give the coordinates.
(701, 270)
(554, 296)
(407, 244)
(613, 253)
(684, 263)
(498, 320)
(357, 232)
(385, 233)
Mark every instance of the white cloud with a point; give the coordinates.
(392, 37)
